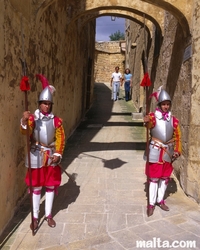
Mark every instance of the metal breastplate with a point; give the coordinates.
(163, 130)
(160, 150)
(44, 131)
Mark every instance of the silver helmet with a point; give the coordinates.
(47, 92)
(46, 95)
(163, 96)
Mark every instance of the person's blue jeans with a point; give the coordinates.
(116, 88)
(127, 90)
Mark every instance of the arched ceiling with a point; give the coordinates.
(123, 14)
(147, 24)
(180, 9)
(150, 7)
(130, 14)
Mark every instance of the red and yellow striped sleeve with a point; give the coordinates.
(177, 136)
(31, 124)
(59, 136)
(152, 121)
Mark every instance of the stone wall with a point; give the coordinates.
(134, 54)
(108, 55)
(61, 50)
(190, 176)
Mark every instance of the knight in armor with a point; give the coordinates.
(164, 148)
(47, 141)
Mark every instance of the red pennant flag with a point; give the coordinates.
(146, 82)
(24, 84)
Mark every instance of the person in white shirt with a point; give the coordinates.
(116, 79)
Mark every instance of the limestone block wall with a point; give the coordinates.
(61, 50)
(191, 175)
(134, 55)
(108, 55)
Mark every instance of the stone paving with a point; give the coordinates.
(105, 208)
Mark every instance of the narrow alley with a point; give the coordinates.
(105, 208)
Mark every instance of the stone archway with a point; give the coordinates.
(180, 9)
(183, 15)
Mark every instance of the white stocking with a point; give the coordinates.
(36, 201)
(162, 186)
(153, 188)
(49, 200)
